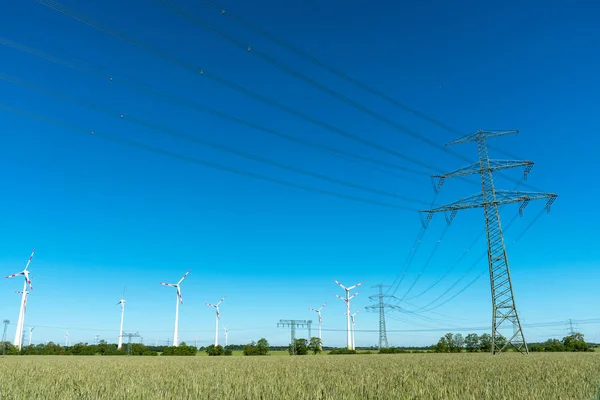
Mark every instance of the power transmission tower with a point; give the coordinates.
(380, 307)
(6, 322)
(129, 336)
(293, 324)
(571, 330)
(503, 302)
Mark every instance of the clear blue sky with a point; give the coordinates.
(104, 216)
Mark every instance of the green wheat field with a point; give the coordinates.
(399, 376)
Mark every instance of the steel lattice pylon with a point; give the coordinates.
(293, 323)
(504, 311)
(380, 308)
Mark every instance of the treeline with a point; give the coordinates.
(456, 343)
(79, 349)
(574, 342)
(182, 350)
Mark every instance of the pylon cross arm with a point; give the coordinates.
(474, 137)
(494, 165)
(502, 197)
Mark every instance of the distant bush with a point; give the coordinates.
(393, 350)
(181, 350)
(213, 350)
(341, 351)
(228, 352)
(257, 349)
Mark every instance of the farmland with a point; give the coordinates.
(403, 376)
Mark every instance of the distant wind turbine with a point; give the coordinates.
(226, 332)
(18, 342)
(122, 303)
(320, 320)
(347, 299)
(216, 306)
(353, 329)
(178, 301)
(31, 334)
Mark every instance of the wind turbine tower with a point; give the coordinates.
(216, 306)
(31, 334)
(67, 339)
(320, 321)
(122, 303)
(18, 342)
(178, 300)
(347, 299)
(353, 329)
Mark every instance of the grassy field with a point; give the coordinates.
(568, 376)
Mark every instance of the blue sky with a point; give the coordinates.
(104, 215)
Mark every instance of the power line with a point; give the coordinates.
(424, 308)
(295, 73)
(445, 274)
(199, 161)
(203, 142)
(147, 47)
(142, 88)
(437, 245)
(337, 72)
(466, 252)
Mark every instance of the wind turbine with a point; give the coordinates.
(347, 299)
(320, 320)
(177, 301)
(353, 329)
(216, 306)
(67, 339)
(31, 334)
(226, 332)
(122, 303)
(18, 342)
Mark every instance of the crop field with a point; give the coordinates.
(399, 376)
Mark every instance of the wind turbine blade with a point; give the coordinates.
(184, 276)
(29, 261)
(26, 273)
(13, 275)
(339, 297)
(210, 305)
(342, 286)
(353, 296)
(166, 284)
(323, 306)
(220, 301)
(179, 294)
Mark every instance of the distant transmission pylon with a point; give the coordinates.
(6, 322)
(503, 301)
(380, 307)
(293, 324)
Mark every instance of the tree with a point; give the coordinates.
(442, 346)
(553, 345)
(472, 342)
(213, 350)
(485, 342)
(299, 347)
(458, 342)
(575, 342)
(262, 347)
(315, 345)
(450, 341)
